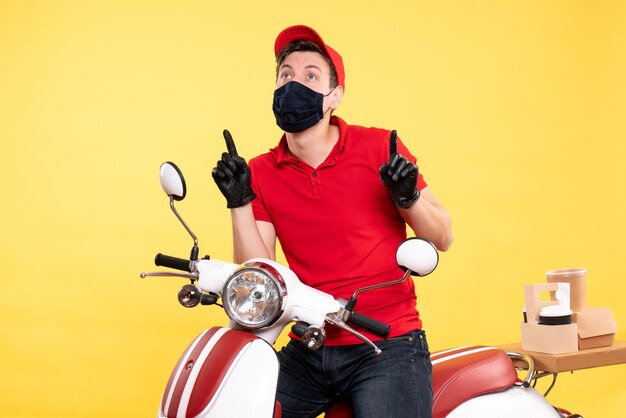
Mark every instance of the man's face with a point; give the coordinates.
(308, 68)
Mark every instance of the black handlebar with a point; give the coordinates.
(370, 324)
(171, 262)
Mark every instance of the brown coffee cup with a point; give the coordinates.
(576, 277)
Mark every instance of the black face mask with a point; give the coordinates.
(297, 107)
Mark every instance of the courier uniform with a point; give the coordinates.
(337, 226)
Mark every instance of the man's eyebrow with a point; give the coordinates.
(308, 66)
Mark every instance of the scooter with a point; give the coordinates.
(233, 371)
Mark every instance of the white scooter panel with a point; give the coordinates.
(223, 373)
(515, 402)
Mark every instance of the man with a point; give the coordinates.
(338, 198)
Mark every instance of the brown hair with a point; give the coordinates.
(306, 46)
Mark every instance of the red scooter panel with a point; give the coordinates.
(202, 369)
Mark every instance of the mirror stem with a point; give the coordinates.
(378, 286)
(194, 250)
(352, 301)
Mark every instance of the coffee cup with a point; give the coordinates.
(576, 277)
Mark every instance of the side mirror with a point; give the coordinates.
(417, 255)
(173, 184)
(172, 181)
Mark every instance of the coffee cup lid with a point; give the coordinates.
(569, 272)
(555, 310)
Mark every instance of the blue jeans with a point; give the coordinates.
(395, 384)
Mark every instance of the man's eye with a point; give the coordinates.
(311, 77)
(285, 75)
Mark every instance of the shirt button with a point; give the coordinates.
(314, 174)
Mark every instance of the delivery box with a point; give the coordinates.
(596, 328)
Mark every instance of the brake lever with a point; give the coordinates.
(336, 320)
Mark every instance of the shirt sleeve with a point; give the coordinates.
(258, 205)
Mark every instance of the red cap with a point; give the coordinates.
(306, 33)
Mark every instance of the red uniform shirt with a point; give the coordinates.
(337, 226)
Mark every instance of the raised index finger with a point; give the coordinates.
(230, 143)
(393, 145)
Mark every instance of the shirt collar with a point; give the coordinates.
(283, 156)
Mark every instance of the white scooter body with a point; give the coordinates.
(221, 364)
(233, 372)
(210, 375)
(514, 402)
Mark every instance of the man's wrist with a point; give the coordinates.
(232, 204)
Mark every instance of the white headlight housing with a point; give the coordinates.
(253, 295)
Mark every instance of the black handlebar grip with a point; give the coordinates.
(299, 328)
(370, 324)
(171, 262)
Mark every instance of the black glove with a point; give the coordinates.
(232, 176)
(399, 175)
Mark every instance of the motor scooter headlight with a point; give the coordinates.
(253, 295)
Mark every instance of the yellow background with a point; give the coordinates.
(515, 110)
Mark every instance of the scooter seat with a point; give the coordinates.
(459, 375)
(464, 373)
